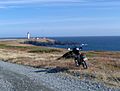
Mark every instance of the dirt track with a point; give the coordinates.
(22, 78)
(14, 81)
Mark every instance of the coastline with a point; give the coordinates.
(104, 66)
(95, 43)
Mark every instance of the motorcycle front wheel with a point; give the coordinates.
(84, 64)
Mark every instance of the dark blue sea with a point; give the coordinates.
(109, 43)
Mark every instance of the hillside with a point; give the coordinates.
(104, 66)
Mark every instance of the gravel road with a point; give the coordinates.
(15, 77)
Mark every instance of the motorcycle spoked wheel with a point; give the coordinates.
(84, 64)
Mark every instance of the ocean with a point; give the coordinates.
(96, 43)
(106, 43)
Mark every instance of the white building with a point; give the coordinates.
(28, 35)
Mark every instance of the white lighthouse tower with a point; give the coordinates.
(28, 35)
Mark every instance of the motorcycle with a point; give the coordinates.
(79, 58)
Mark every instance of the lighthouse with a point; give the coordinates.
(28, 35)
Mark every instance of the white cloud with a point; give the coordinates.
(38, 1)
(60, 20)
(2, 7)
(17, 3)
(83, 3)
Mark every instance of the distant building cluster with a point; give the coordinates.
(29, 36)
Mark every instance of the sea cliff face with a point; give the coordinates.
(49, 42)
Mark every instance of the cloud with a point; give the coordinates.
(53, 21)
(39, 1)
(102, 4)
(2, 7)
(17, 3)
(85, 2)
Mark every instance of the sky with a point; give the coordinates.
(51, 18)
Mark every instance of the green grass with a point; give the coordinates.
(44, 50)
(31, 49)
(3, 46)
(90, 54)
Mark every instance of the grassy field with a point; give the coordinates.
(103, 66)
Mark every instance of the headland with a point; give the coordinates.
(104, 66)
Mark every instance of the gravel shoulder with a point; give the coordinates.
(15, 77)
